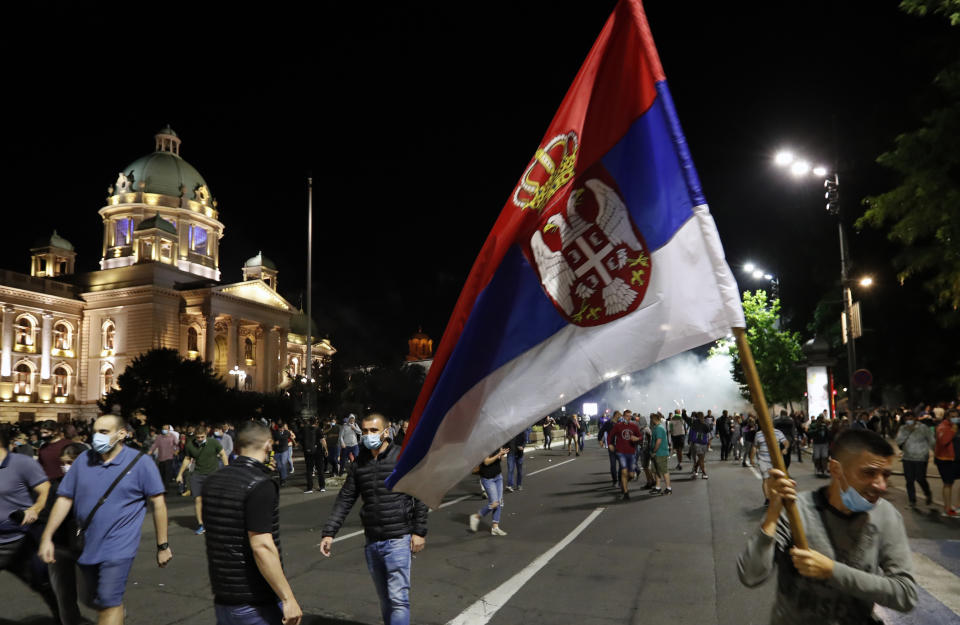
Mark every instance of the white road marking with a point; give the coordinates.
(756, 473)
(938, 581)
(453, 501)
(552, 466)
(483, 610)
(346, 536)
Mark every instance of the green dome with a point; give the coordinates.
(167, 131)
(298, 325)
(164, 173)
(55, 240)
(260, 261)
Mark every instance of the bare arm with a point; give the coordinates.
(224, 458)
(160, 527)
(61, 508)
(183, 467)
(268, 562)
(33, 512)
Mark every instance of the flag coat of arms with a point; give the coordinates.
(604, 260)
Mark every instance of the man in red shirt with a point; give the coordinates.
(945, 457)
(625, 435)
(53, 444)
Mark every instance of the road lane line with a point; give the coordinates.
(552, 466)
(756, 473)
(346, 536)
(483, 610)
(453, 501)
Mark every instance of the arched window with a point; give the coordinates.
(106, 380)
(109, 335)
(61, 381)
(192, 340)
(248, 350)
(62, 336)
(122, 232)
(25, 328)
(23, 376)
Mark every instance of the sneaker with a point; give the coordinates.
(950, 514)
(705, 476)
(519, 488)
(474, 522)
(655, 490)
(200, 531)
(308, 491)
(626, 496)
(668, 491)
(323, 490)
(496, 531)
(510, 489)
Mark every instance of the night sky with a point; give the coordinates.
(416, 123)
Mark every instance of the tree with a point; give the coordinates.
(391, 390)
(775, 351)
(922, 213)
(166, 388)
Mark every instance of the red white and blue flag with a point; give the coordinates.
(604, 260)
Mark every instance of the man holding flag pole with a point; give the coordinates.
(604, 260)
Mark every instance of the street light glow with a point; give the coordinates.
(767, 276)
(866, 281)
(820, 170)
(749, 267)
(783, 158)
(757, 274)
(800, 168)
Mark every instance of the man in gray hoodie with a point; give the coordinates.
(858, 552)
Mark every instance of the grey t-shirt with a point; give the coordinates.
(872, 564)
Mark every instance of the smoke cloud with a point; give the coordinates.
(683, 381)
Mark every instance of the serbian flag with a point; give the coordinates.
(604, 260)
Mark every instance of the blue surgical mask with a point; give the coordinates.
(102, 444)
(372, 441)
(164, 432)
(955, 420)
(854, 501)
(910, 421)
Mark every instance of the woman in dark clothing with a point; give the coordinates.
(491, 477)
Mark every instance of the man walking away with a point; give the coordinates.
(678, 433)
(205, 453)
(515, 463)
(349, 442)
(395, 524)
(858, 555)
(625, 436)
(242, 507)
(661, 456)
(700, 438)
(20, 476)
(112, 537)
(311, 440)
(820, 436)
(284, 446)
(608, 442)
(785, 424)
(724, 432)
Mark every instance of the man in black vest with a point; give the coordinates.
(395, 524)
(241, 511)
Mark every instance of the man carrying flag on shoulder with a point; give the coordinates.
(604, 260)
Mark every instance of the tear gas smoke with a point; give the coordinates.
(683, 381)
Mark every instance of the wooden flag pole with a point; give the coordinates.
(766, 424)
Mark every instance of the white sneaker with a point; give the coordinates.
(510, 488)
(474, 522)
(496, 531)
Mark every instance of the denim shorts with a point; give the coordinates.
(264, 614)
(105, 582)
(628, 462)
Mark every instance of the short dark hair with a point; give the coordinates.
(376, 415)
(73, 450)
(854, 441)
(4, 436)
(50, 425)
(252, 433)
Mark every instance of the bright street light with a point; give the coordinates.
(749, 267)
(866, 281)
(757, 274)
(800, 168)
(783, 158)
(820, 170)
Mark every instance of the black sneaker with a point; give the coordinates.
(626, 495)
(655, 490)
(668, 491)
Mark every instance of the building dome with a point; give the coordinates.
(260, 261)
(298, 325)
(164, 173)
(55, 240)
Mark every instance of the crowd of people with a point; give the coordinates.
(76, 495)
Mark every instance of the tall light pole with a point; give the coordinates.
(309, 410)
(800, 167)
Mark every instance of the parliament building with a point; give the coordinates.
(67, 336)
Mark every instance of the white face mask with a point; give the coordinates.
(64, 468)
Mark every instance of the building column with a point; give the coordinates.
(209, 338)
(6, 356)
(260, 383)
(283, 356)
(271, 353)
(232, 359)
(46, 343)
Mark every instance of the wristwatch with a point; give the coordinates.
(163, 546)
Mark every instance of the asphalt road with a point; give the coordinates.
(574, 554)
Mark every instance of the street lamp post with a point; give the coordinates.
(759, 274)
(800, 167)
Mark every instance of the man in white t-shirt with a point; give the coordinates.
(763, 456)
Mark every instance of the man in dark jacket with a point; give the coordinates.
(241, 507)
(395, 524)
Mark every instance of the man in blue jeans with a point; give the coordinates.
(395, 524)
(113, 536)
(515, 462)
